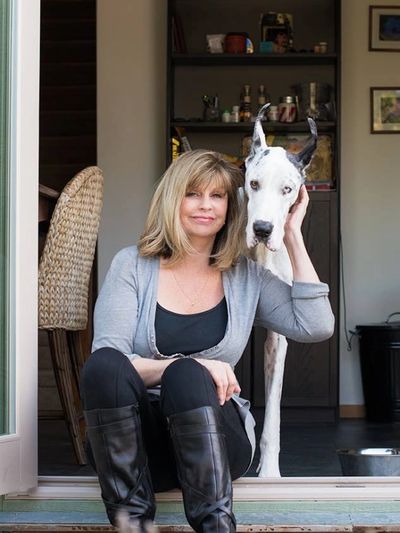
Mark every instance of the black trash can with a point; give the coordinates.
(380, 370)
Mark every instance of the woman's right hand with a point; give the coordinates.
(223, 377)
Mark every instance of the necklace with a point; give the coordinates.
(198, 293)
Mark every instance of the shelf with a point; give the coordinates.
(249, 126)
(210, 60)
(322, 195)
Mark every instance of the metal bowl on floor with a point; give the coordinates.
(370, 461)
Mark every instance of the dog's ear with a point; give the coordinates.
(303, 158)
(258, 142)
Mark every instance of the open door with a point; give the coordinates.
(19, 125)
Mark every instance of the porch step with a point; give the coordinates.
(345, 516)
(268, 522)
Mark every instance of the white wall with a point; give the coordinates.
(131, 66)
(370, 191)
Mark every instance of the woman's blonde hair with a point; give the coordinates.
(164, 235)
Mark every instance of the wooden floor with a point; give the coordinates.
(307, 449)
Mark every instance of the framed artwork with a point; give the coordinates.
(385, 109)
(384, 28)
(276, 32)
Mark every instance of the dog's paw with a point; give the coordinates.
(126, 525)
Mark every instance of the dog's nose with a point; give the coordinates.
(262, 229)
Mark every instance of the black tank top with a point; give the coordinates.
(187, 334)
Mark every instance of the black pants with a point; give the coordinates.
(109, 380)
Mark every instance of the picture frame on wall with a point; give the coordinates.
(384, 28)
(385, 109)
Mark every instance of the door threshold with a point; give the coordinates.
(246, 489)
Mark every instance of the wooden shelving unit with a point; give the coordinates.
(311, 379)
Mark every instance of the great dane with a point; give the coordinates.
(273, 179)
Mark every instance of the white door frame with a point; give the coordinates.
(18, 449)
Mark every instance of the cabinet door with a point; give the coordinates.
(311, 369)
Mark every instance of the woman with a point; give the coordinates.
(172, 319)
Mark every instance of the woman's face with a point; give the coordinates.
(203, 213)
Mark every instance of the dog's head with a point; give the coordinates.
(273, 179)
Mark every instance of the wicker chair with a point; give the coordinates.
(64, 274)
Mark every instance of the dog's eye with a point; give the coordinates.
(254, 185)
(287, 190)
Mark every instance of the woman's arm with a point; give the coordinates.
(115, 317)
(301, 312)
(151, 370)
(303, 269)
(115, 313)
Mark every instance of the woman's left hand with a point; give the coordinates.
(297, 213)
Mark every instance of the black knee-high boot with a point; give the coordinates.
(115, 437)
(203, 469)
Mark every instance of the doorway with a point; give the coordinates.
(67, 144)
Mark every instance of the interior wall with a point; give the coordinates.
(370, 187)
(131, 88)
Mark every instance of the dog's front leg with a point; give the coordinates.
(274, 363)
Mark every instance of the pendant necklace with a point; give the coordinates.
(197, 293)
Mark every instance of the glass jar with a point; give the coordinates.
(287, 109)
(235, 114)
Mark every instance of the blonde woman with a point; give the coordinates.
(162, 403)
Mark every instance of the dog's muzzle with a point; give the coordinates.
(262, 229)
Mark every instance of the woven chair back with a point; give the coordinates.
(67, 258)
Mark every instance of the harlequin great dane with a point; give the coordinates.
(273, 179)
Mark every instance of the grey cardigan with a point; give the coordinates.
(125, 311)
